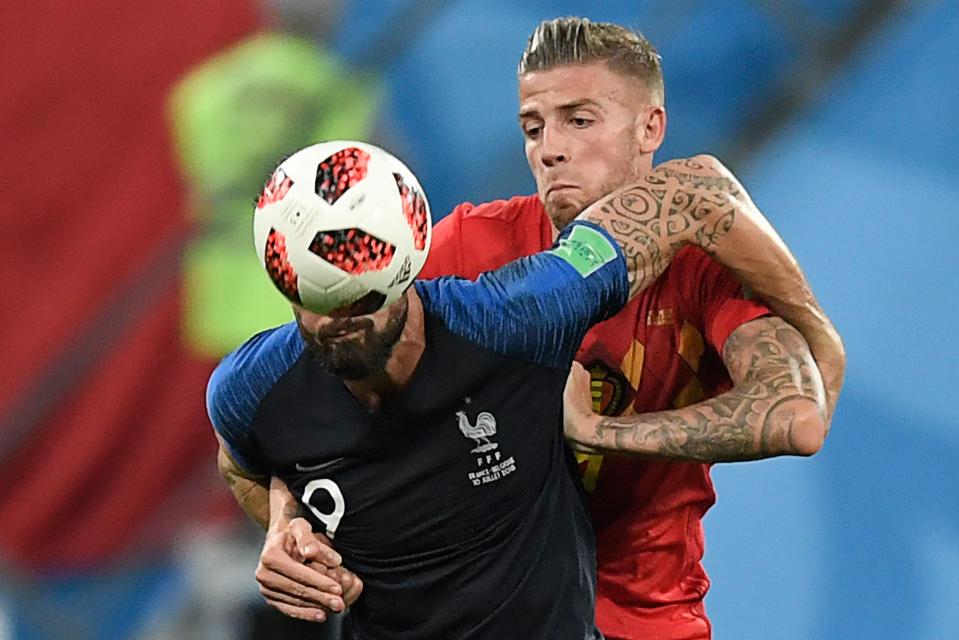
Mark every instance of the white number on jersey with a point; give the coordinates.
(331, 520)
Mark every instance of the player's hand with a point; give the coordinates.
(294, 572)
(317, 550)
(350, 583)
(579, 421)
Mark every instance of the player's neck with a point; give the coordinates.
(373, 391)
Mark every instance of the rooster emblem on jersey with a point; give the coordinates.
(481, 432)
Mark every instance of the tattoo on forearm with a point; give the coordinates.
(772, 365)
(252, 496)
(678, 203)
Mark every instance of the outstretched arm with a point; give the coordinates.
(699, 201)
(774, 408)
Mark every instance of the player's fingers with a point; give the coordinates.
(310, 614)
(313, 546)
(295, 531)
(314, 574)
(282, 597)
(350, 598)
(289, 592)
(349, 581)
(295, 578)
(314, 551)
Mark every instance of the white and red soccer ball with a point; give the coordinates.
(340, 220)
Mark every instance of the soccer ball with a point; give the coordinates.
(341, 220)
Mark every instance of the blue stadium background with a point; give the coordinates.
(842, 119)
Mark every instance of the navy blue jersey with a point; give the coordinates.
(456, 503)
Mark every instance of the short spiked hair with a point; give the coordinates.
(571, 40)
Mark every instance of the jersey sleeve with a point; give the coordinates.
(713, 296)
(446, 251)
(239, 384)
(538, 307)
(473, 239)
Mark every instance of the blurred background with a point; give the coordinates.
(137, 134)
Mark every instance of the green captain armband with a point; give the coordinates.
(585, 248)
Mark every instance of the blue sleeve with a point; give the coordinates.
(239, 384)
(539, 307)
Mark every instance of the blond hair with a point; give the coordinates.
(571, 40)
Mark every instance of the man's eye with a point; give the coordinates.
(580, 122)
(531, 131)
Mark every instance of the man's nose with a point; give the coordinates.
(313, 322)
(554, 147)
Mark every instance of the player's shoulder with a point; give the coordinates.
(279, 346)
(477, 238)
(513, 210)
(246, 374)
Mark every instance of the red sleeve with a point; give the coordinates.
(713, 297)
(473, 239)
(446, 251)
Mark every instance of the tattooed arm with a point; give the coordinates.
(775, 407)
(698, 201)
(251, 491)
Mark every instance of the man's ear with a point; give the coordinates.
(651, 129)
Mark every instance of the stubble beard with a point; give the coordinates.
(563, 213)
(361, 357)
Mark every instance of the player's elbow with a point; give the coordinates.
(808, 429)
(794, 427)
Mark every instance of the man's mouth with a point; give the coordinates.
(559, 188)
(342, 332)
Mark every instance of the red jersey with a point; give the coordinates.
(662, 351)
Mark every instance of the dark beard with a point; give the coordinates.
(360, 358)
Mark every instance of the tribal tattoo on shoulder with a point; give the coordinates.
(688, 201)
(772, 408)
(771, 365)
